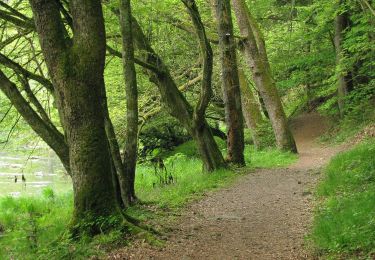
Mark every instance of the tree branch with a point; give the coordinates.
(7, 16)
(13, 38)
(50, 29)
(47, 132)
(32, 98)
(206, 50)
(20, 70)
(15, 12)
(6, 113)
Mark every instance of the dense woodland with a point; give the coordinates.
(114, 86)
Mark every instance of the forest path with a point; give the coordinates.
(264, 215)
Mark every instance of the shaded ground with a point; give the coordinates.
(264, 215)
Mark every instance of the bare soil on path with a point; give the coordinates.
(263, 215)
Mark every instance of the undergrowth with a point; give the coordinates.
(357, 117)
(344, 225)
(36, 227)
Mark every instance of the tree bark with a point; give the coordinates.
(176, 104)
(250, 109)
(262, 76)
(77, 75)
(200, 129)
(231, 86)
(130, 150)
(343, 77)
(118, 170)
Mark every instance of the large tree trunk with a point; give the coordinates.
(77, 74)
(130, 150)
(231, 86)
(90, 160)
(344, 79)
(263, 80)
(176, 104)
(251, 110)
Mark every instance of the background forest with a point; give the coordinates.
(169, 104)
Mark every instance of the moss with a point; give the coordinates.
(140, 232)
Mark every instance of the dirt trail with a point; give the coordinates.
(264, 215)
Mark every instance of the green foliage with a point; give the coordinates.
(345, 220)
(161, 134)
(266, 135)
(299, 37)
(48, 193)
(350, 171)
(189, 149)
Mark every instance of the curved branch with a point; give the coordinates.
(7, 16)
(32, 98)
(15, 12)
(20, 70)
(206, 50)
(47, 132)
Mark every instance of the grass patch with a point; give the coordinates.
(190, 182)
(344, 225)
(268, 158)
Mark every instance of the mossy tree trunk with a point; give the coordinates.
(344, 79)
(130, 150)
(76, 67)
(230, 83)
(176, 103)
(254, 48)
(200, 130)
(251, 110)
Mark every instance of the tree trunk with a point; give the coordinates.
(176, 104)
(118, 170)
(263, 106)
(77, 74)
(343, 77)
(231, 86)
(207, 147)
(200, 130)
(90, 159)
(261, 71)
(130, 150)
(250, 109)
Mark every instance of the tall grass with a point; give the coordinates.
(344, 225)
(32, 224)
(190, 182)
